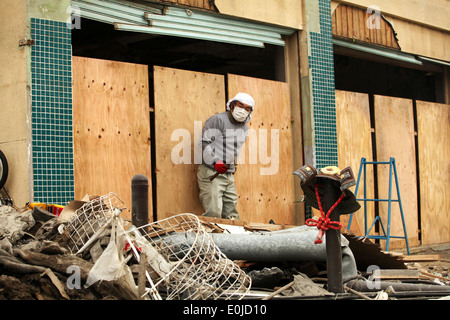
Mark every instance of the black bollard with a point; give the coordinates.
(331, 192)
(139, 200)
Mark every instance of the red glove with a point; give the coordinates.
(220, 167)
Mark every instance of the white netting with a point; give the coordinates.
(91, 221)
(184, 263)
(181, 259)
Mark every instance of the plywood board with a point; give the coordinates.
(184, 100)
(111, 127)
(354, 143)
(433, 130)
(394, 129)
(264, 178)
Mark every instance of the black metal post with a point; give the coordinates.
(331, 193)
(139, 200)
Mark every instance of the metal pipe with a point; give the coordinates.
(292, 245)
(395, 55)
(139, 200)
(331, 193)
(370, 286)
(187, 34)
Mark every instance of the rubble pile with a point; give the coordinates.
(35, 263)
(93, 253)
(85, 255)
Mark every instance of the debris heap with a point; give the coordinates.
(90, 252)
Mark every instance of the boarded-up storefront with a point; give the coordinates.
(422, 172)
(112, 137)
(264, 180)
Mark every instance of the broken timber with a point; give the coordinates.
(250, 226)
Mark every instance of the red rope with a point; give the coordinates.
(324, 223)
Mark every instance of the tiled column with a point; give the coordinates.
(321, 63)
(318, 87)
(51, 112)
(319, 80)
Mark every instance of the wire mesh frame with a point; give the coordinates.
(184, 262)
(91, 219)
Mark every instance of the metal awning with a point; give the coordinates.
(381, 52)
(180, 22)
(435, 61)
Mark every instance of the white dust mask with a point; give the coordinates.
(240, 114)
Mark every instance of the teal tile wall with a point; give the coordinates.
(51, 111)
(321, 63)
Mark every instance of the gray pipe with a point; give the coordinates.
(295, 244)
(369, 286)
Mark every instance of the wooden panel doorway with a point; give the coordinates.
(433, 121)
(394, 130)
(111, 127)
(264, 179)
(354, 143)
(184, 100)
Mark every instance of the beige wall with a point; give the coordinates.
(49, 9)
(434, 13)
(15, 90)
(421, 40)
(287, 13)
(423, 27)
(14, 118)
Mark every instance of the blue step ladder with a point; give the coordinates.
(387, 235)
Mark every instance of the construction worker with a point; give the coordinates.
(222, 138)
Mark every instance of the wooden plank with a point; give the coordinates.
(421, 258)
(356, 24)
(264, 179)
(382, 34)
(184, 100)
(364, 30)
(254, 226)
(111, 127)
(389, 274)
(344, 21)
(334, 27)
(350, 31)
(239, 223)
(433, 130)
(354, 143)
(250, 226)
(427, 276)
(339, 15)
(394, 129)
(389, 37)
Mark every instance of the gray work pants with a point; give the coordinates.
(218, 197)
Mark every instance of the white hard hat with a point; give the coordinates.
(244, 98)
